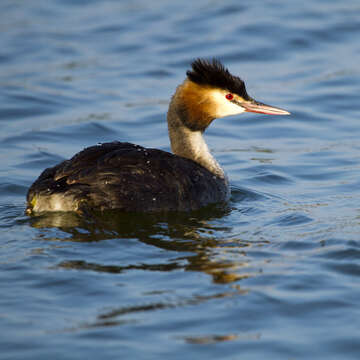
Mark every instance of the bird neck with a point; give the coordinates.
(186, 140)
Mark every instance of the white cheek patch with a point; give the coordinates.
(224, 107)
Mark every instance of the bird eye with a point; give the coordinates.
(229, 96)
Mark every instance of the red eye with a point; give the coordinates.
(229, 96)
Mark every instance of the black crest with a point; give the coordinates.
(214, 74)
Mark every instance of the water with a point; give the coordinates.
(275, 274)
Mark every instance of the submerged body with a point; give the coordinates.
(132, 178)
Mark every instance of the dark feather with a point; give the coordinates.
(214, 74)
(131, 178)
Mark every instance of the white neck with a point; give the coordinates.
(188, 143)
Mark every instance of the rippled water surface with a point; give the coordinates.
(275, 274)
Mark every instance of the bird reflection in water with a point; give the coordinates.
(195, 235)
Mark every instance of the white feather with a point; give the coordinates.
(224, 107)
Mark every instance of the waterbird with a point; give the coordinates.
(132, 178)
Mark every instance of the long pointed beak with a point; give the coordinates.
(258, 107)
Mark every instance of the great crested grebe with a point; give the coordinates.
(129, 177)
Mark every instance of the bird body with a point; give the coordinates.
(129, 177)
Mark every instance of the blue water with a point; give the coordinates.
(275, 274)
